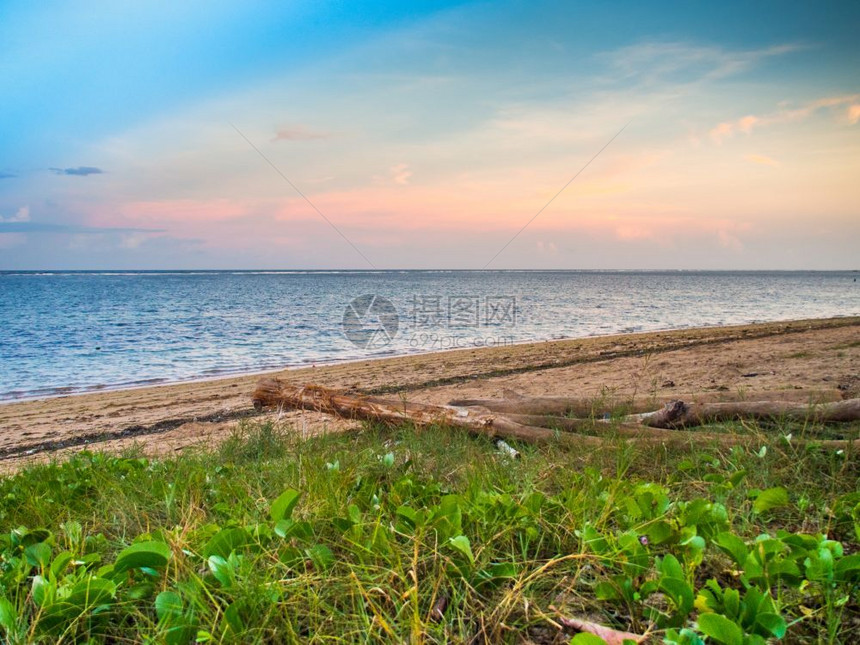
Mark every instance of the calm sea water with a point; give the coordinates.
(80, 331)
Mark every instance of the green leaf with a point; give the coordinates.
(143, 554)
(221, 569)
(91, 592)
(671, 568)
(733, 546)
(321, 556)
(773, 623)
(8, 616)
(41, 590)
(721, 629)
(180, 635)
(140, 591)
(680, 592)
(168, 605)
(233, 616)
(38, 555)
(502, 570)
(388, 460)
(606, 591)
(225, 541)
(287, 528)
(283, 506)
(584, 638)
(58, 566)
(462, 545)
(659, 532)
(847, 568)
(770, 499)
(408, 515)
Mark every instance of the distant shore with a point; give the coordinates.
(802, 359)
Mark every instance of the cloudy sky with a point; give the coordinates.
(427, 134)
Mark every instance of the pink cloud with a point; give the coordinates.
(762, 160)
(298, 133)
(748, 123)
(183, 210)
(400, 173)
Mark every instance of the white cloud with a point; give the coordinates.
(22, 215)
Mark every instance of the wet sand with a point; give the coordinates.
(807, 360)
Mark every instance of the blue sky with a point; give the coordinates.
(428, 134)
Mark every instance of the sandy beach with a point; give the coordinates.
(805, 360)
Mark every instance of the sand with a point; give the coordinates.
(808, 360)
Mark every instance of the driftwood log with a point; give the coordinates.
(506, 420)
(562, 406)
(679, 415)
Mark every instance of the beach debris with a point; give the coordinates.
(437, 614)
(609, 635)
(678, 414)
(506, 448)
(504, 420)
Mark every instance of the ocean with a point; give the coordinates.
(68, 332)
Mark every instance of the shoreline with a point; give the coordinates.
(243, 373)
(809, 359)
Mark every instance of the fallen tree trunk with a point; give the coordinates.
(563, 406)
(681, 415)
(481, 421)
(274, 393)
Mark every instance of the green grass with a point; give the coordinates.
(357, 538)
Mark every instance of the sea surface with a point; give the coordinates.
(67, 332)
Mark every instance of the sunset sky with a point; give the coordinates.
(428, 134)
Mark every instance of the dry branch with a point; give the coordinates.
(648, 429)
(582, 408)
(274, 393)
(680, 415)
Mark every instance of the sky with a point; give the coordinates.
(420, 135)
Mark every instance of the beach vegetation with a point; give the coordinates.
(406, 535)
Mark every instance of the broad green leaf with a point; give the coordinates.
(168, 605)
(38, 555)
(41, 590)
(721, 629)
(58, 566)
(584, 638)
(774, 623)
(502, 570)
(221, 569)
(606, 591)
(289, 528)
(8, 615)
(847, 568)
(462, 545)
(143, 554)
(233, 616)
(282, 507)
(671, 568)
(321, 556)
(225, 541)
(180, 635)
(140, 591)
(680, 592)
(408, 515)
(770, 499)
(659, 532)
(733, 546)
